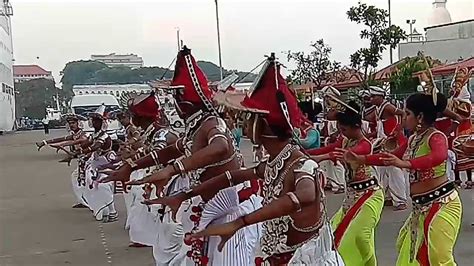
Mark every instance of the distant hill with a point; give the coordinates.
(87, 72)
(212, 72)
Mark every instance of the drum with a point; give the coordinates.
(463, 146)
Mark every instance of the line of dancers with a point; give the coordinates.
(190, 198)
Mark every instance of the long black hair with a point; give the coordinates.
(423, 103)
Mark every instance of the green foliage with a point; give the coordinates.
(212, 72)
(378, 32)
(402, 80)
(34, 96)
(314, 67)
(94, 72)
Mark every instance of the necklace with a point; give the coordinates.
(272, 177)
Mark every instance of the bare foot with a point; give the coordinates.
(400, 207)
(137, 245)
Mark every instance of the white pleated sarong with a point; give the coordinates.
(318, 251)
(132, 197)
(78, 190)
(168, 246)
(99, 196)
(333, 173)
(141, 218)
(395, 183)
(224, 208)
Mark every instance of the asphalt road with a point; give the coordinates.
(39, 227)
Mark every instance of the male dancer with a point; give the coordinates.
(368, 115)
(332, 171)
(147, 114)
(100, 197)
(209, 151)
(393, 179)
(460, 103)
(296, 230)
(74, 140)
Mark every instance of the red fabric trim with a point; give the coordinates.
(422, 256)
(439, 153)
(351, 213)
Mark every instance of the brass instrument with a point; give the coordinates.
(386, 144)
(460, 78)
(427, 81)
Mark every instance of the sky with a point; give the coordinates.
(51, 33)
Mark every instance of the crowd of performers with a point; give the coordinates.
(190, 197)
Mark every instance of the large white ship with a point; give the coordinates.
(7, 92)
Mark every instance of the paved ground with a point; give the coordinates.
(38, 226)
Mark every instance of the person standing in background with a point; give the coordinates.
(45, 122)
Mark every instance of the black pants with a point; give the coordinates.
(46, 128)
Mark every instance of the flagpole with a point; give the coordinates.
(219, 40)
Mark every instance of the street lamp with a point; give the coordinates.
(219, 39)
(411, 22)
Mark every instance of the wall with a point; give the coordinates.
(448, 43)
(445, 50)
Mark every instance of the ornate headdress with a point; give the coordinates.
(364, 93)
(146, 105)
(330, 90)
(427, 81)
(99, 113)
(190, 82)
(377, 91)
(459, 84)
(269, 95)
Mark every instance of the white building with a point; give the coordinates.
(443, 39)
(439, 13)
(447, 42)
(114, 89)
(129, 60)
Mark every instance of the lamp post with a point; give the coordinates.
(411, 22)
(219, 39)
(389, 26)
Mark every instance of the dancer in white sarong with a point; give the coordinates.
(145, 111)
(99, 197)
(208, 148)
(393, 179)
(293, 213)
(333, 172)
(76, 138)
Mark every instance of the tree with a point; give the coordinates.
(402, 80)
(34, 96)
(379, 34)
(315, 67)
(79, 72)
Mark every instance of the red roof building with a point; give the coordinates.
(28, 72)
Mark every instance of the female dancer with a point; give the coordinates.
(295, 229)
(430, 232)
(356, 220)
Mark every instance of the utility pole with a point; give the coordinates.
(411, 22)
(389, 26)
(177, 37)
(219, 39)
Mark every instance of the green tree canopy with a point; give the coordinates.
(402, 80)
(33, 96)
(93, 72)
(315, 66)
(380, 36)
